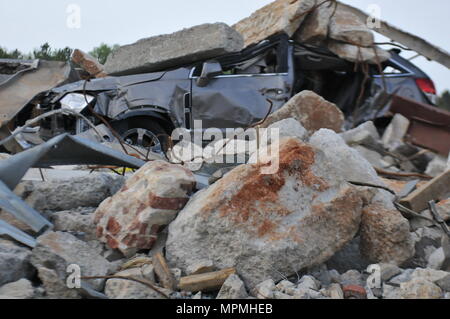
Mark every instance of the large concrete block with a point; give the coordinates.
(280, 16)
(183, 47)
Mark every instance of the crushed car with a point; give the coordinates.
(228, 91)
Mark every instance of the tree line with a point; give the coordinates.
(46, 52)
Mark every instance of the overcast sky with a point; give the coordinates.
(27, 24)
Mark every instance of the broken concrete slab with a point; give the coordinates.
(262, 217)
(177, 49)
(423, 47)
(151, 198)
(315, 28)
(311, 110)
(347, 27)
(354, 53)
(280, 16)
(61, 195)
(88, 63)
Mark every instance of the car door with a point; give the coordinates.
(238, 96)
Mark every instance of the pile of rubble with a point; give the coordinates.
(309, 231)
(346, 215)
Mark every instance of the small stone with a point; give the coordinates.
(366, 132)
(322, 274)
(389, 271)
(127, 289)
(148, 272)
(437, 166)
(354, 292)
(396, 131)
(429, 274)
(200, 267)
(265, 290)
(177, 273)
(286, 287)
(233, 288)
(391, 292)
(405, 276)
(14, 262)
(308, 282)
(281, 296)
(198, 296)
(420, 288)
(352, 278)
(22, 289)
(436, 259)
(335, 277)
(306, 293)
(335, 292)
(444, 283)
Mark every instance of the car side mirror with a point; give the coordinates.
(209, 70)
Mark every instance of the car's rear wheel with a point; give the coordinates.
(144, 133)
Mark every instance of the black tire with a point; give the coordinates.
(143, 132)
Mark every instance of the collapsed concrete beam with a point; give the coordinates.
(407, 39)
(180, 48)
(277, 17)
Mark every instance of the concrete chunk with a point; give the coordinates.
(88, 63)
(183, 47)
(315, 28)
(347, 27)
(354, 53)
(281, 16)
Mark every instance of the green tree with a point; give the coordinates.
(45, 52)
(15, 54)
(444, 101)
(102, 52)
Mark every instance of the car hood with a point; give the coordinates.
(109, 83)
